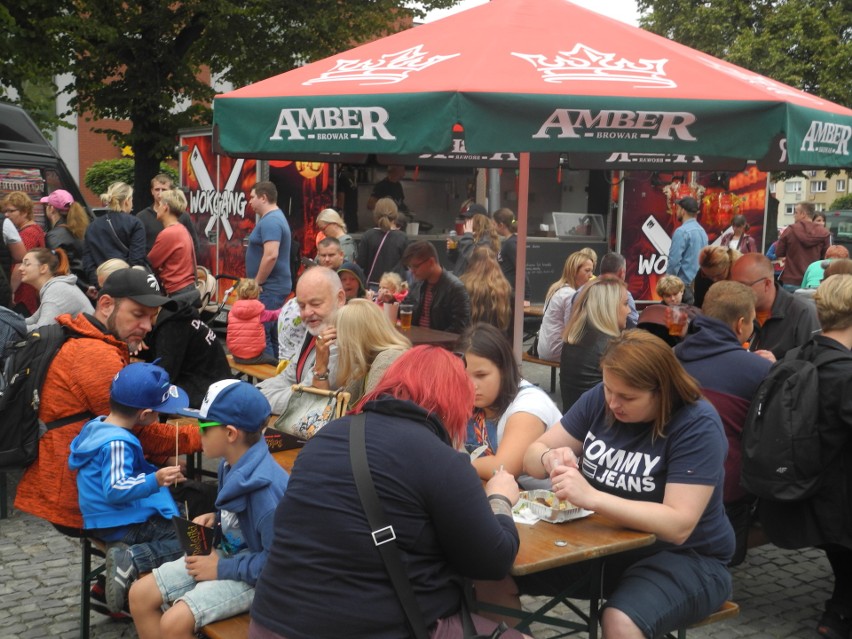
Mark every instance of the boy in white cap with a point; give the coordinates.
(123, 498)
(202, 589)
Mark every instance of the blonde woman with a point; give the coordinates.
(489, 291)
(331, 224)
(714, 265)
(115, 233)
(173, 255)
(367, 346)
(576, 272)
(599, 315)
(479, 230)
(381, 248)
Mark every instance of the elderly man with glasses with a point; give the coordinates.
(783, 321)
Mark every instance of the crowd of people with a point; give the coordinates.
(646, 434)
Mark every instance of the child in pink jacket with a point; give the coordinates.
(246, 335)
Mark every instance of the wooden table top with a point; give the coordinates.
(253, 371)
(588, 538)
(535, 310)
(579, 540)
(421, 335)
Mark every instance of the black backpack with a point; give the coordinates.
(782, 456)
(22, 377)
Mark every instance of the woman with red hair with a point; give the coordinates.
(446, 527)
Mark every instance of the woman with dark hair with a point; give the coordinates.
(68, 222)
(446, 527)
(646, 451)
(509, 412)
(738, 237)
(507, 227)
(47, 271)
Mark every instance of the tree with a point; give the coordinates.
(804, 43)
(101, 174)
(843, 202)
(145, 61)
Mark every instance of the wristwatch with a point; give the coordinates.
(320, 377)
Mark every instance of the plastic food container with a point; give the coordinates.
(545, 505)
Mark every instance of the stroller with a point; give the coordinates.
(214, 307)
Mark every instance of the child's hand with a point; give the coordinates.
(169, 475)
(203, 567)
(207, 519)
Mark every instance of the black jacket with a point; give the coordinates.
(826, 517)
(61, 237)
(792, 323)
(450, 309)
(189, 351)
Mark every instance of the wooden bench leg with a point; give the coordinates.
(4, 505)
(552, 380)
(87, 575)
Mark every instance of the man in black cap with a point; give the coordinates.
(688, 240)
(76, 388)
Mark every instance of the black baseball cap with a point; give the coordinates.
(138, 285)
(473, 209)
(689, 204)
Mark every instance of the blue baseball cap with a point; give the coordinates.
(235, 403)
(141, 385)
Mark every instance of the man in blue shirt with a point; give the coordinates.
(268, 252)
(688, 240)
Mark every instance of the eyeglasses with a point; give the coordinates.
(204, 425)
(413, 267)
(461, 356)
(6, 211)
(756, 281)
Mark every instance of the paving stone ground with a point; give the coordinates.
(780, 592)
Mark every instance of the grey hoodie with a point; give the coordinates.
(59, 295)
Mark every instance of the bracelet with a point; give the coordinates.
(500, 498)
(541, 459)
(320, 377)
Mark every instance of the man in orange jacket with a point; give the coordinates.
(78, 382)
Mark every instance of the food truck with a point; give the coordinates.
(629, 211)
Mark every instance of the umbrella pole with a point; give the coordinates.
(521, 261)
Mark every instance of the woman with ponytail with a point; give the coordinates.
(47, 271)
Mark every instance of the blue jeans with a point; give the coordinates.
(152, 543)
(272, 301)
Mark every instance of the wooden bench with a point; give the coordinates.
(237, 627)
(554, 366)
(729, 610)
(231, 628)
(254, 372)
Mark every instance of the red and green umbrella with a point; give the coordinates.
(535, 76)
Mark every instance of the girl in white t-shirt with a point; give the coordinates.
(509, 412)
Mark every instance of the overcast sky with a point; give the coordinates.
(624, 10)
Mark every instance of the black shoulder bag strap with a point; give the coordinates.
(383, 534)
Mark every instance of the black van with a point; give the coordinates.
(28, 162)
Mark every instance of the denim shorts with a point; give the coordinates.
(208, 601)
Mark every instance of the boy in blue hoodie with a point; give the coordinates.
(205, 588)
(123, 498)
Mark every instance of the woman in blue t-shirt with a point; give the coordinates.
(646, 451)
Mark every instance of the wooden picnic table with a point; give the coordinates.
(254, 372)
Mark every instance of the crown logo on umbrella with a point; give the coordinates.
(391, 68)
(588, 64)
